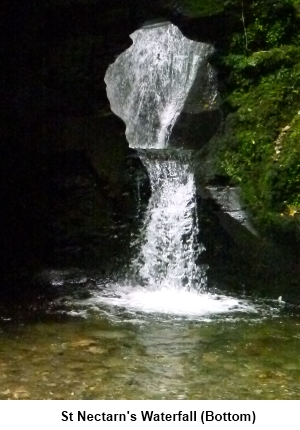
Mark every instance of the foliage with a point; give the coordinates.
(261, 101)
(203, 8)
(283, 178)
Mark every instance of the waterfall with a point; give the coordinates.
(148, 85)
(170, 245)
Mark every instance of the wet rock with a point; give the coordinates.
(193, 130)
(83, 343)
(95, 350)
(90, 283)
(230, 205)
(20, 393)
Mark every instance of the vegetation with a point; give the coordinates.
(259, 149)
(203, 8)
(260, 65)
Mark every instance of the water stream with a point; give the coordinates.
(156, 332)
(148, 86)
(126, 355)
(166, 277)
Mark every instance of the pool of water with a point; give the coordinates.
(106, 347)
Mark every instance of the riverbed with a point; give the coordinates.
(87, 348)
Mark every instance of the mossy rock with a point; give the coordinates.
(198, 8)
(263, 109)
(285, 179)
(261, 96)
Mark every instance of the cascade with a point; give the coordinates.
(148, 86)
(170, 246)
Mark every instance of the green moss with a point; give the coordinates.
(259, 149)
(197, 8)
(283, 175)
(263, 109)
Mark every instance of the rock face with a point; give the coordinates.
(228, 198)
(70, 183)
(62, 152)
(237, 258)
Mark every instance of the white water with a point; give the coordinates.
(164, 278)
(170, 245)
(148, 86)
(171, 301)
(149, 83)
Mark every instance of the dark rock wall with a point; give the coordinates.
(68, 178)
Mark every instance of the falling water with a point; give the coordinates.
(148, 86)
(169, 240)
(149, 83)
